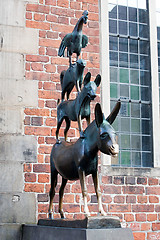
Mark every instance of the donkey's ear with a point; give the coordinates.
(87, 78)
(98, 80)
(98, 115)
(114, 113)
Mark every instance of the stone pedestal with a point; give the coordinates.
(92, 228)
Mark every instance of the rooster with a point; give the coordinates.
(76, 40)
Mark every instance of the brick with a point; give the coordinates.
(71, 208)
(49, 42)
(119, 208)
(129, 217)
(41, 103)
(41, 168)
(141, 217)
(157, 208)
(42, 208)
(37, 8)
(153, 190)
(42, 33)
(153, 235)
(37, 131)
(51, 104)
(142, 199)
(36, 121)
(118, 180)
(52, 18)
(110, 189)
(135, 226)
(50, 140)
(43, 178)
(119, 199)
(130, 199)
(37, 66)
(133, 190)
(37, 58)
(68, 198)
(43, 149)
(63, 3)
(27, 167)
(143, 208)
(40, 158)
(30, 177)
(50, 2)
(107, 179)
(153, 199)
(41, 140)
(62, 12)
(43, 197)
(28, 67)
(130, 180)
(63, 20)
(37, 112)
(49, 86)
(142, 180)
(51, 122)
(151, 217)
(49, 95)
(47, 158)
(33, 187)
(37, 25)
(139, 236)
(145, 227)
(38, 76)
(42, 50)
(76, 188)
(75, 5)
(106, 199)
(152, 181)
(39, 17)
(51, 51)
(53, 35)
(155, 226)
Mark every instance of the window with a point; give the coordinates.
(130, 80)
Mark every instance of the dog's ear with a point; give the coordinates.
(98, 80)
(87, 78)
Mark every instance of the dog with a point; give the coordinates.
(78, 109)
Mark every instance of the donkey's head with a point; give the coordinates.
(90, 88)
(106, 141)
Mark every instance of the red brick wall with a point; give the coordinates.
(134, 199)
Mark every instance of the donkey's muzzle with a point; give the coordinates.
(114, 149)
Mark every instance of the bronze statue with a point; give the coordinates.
(73, 76)
(76, 160)
(78, 109)
(76, 40)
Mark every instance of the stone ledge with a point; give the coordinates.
(33, 232)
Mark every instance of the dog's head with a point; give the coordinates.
(90, 88)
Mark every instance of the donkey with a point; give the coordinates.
(76, 160)
(72, 76)
(76, 110)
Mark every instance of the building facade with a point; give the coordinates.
(124, 48)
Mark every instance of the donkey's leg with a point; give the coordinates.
(54, 174)
(98, 192)
(68, 122)
(61, 192)
(84, 190)
(80, 126)
(59, 122)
